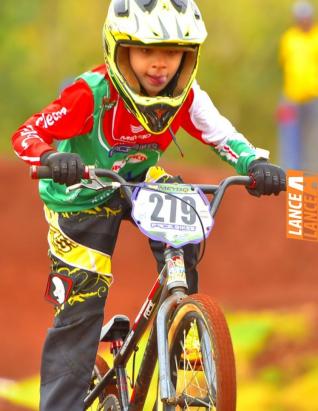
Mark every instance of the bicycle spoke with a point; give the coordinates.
(201, 357)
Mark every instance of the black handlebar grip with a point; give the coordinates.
(39, 172)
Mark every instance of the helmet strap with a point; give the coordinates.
(174, 138)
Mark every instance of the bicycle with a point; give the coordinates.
(203, 376)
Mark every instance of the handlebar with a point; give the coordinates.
(92, 173)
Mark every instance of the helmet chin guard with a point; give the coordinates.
(158, 116)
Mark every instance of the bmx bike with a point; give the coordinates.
(189, 349)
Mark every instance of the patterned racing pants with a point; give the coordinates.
(81, 245)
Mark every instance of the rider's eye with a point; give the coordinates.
(172, 52)
(145, 50)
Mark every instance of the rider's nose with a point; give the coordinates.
(160, 61)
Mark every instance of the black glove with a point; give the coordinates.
(67, 168)
(268, 178)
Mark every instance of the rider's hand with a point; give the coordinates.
(268, 178)
(67, 168)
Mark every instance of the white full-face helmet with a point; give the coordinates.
(159, 23)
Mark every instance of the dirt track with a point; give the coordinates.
(249, 264)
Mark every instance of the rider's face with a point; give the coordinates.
(154, 66)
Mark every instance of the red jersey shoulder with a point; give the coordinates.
(101, 69)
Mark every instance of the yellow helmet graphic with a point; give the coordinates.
(158, 23)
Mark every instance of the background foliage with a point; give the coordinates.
(44, 43)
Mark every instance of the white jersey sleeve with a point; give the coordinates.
(208, 125)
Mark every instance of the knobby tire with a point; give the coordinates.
(209, 378)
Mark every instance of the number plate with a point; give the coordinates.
(176, 214)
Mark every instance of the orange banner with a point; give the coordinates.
(302, 205)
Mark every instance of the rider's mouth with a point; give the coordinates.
(157, 80)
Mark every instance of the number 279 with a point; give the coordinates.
(187, 208)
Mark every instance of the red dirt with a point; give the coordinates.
(5, 406)
(249, 264)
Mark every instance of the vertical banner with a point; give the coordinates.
(302, 205)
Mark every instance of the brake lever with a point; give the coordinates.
(95, 184)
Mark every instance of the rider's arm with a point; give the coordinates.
(67, 117)
(204, 122)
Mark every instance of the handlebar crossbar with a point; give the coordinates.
(92, 173)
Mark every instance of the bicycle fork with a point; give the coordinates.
(177, 285)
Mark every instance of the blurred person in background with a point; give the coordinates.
(298, 110)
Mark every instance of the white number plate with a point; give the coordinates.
(176, 214)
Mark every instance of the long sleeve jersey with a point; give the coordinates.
(91, 119)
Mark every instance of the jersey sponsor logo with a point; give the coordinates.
(136, 129)
(137, 158)
(132, 158)
(123, 148)
(118, 165)
(135, 137)
(29, 133)
(47, 120)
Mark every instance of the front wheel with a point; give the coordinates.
(202, 362)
